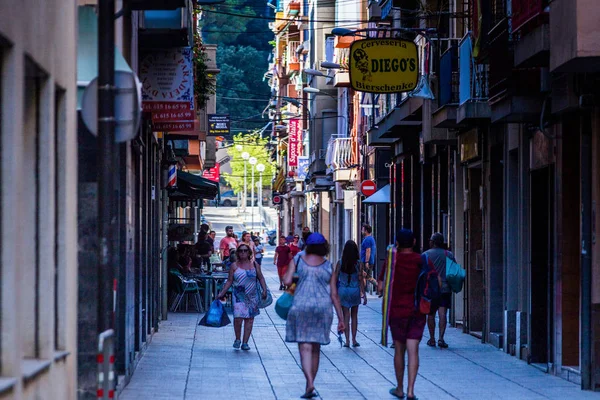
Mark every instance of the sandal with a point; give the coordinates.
(442, 344)
(346, 345)
(394, 393)
(356, 344)
(412, 398)
(309, 395)
(431, 342)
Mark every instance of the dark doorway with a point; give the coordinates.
(474, 249)
(542, 228)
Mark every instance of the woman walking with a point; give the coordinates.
(247, 240)
(294, 246)
(310, 317)
(244, 275)
(350, 288)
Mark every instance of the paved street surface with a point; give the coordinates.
(187, 361)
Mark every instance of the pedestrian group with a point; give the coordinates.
(413, 285)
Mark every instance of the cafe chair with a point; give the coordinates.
(182, 288)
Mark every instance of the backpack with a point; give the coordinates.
(455, 275)
(428, 290)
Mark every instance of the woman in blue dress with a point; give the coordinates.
(350, 288)
(310, 317)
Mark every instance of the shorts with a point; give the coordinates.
(259, 261)
(281, 271)
(444, 301)
(407, 328)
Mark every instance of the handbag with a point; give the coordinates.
(455, 275)
(266, 302)
(283, 304)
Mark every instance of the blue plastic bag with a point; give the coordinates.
(215, 314)
(283, 304)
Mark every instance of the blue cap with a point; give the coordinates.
(316, 238)
(405, 238)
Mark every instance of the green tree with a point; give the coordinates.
(255, 146)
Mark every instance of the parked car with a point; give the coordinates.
(228, 199)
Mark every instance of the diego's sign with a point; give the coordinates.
(384, 65)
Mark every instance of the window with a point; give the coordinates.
(35, 81)
(60, 114)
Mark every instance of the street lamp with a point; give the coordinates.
(260, 168)
(252, 162)
(245, 156)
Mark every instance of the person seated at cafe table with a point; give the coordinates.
(204, 249)
(173, 261)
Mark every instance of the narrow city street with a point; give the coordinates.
(187, 361)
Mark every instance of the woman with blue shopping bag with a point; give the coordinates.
(245, 276)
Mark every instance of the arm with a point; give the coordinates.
(261, 279)
(275, 257)
(223, 246)
(289, 275)
(335, 299)
(227, 284)
(367, 256)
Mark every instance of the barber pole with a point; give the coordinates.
(172, 176)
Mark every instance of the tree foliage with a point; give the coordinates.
(255, 146)
(242, 56)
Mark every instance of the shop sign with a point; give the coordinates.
(294, 140)
(384, 65)
(303, 164)
(213, 174)
(218, 124)
(168, 82)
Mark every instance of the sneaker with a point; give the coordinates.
(281, 287)
(236, 344)
(245, 346)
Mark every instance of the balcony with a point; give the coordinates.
(291, 59)
(167, 28)
(292, 9)
(341, 158)
(473, 85)
(445, 115)
(573, 36)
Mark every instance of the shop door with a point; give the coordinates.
(474, 250)
(541, 281)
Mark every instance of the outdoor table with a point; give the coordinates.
(210, 281)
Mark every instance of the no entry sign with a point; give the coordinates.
(368, 188)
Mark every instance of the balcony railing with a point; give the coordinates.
(292, 8)
(473, 77)
(340, 154)
(449, 77)
(524, 11)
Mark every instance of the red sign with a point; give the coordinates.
(277, 199)
(368, 188)
(213, 174)
(171, 116)
(173, 126)
(294, 140)
(158, 106)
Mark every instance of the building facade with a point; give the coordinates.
(38, 277)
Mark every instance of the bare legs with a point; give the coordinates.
(354, 315)
(237, 328)
(412, 345)
(248, 324)
(346, 312)
(309, 358)
(443, 323)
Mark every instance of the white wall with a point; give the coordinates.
(41, 35)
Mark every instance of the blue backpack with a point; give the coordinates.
(428, 290)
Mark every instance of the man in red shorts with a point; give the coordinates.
(406, 322)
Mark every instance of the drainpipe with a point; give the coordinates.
(107, 155)
(586, 250)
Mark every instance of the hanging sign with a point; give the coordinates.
(218, 124)
(384, 65)
(294, 139)
(213, 174)
(168, 88)
(303, 165)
